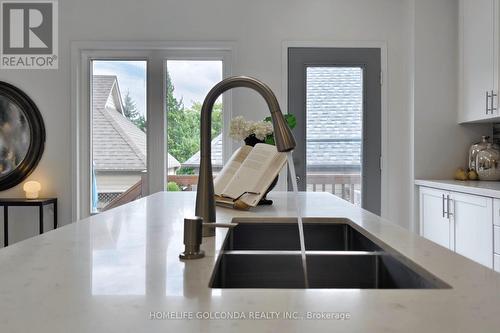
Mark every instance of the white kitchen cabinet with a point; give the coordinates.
(496, 234)
(472, 217)
(496, 239)
(479, 54)
(435, 224)
(461, 222)
(496, 212)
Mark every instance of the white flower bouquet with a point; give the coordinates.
(253, 132)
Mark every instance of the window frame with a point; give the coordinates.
(382, 45)
(96, 56)
(189, 55)
(156, 54)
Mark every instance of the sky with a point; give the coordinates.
(191, 79)
(131, 77)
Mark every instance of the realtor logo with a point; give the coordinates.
(29, 34)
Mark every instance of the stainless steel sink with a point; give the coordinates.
(267, 255)
(285, 237)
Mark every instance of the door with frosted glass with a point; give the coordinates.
(335, 93)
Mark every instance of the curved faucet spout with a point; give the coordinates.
(205, 202)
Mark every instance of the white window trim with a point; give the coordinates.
(156, 53)
(382, 45)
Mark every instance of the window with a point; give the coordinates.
(336, 95)
(188, 82)
(334, 116)
(121, 144)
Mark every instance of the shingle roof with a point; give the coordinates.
(334, 117)
(118, 145)
(194, 161)
(334, 103)
(334, 120)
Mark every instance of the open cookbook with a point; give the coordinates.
(244, 180)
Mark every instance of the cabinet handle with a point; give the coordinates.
(493, 95)
(448, 207)
(444, 213)
(487, 102)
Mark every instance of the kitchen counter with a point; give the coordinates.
(483, 188)
(119, 271)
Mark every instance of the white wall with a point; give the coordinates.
(258, 28)
(440, 145)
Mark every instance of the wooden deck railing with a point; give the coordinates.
(346, 186)
(186, 182)
(135, 192)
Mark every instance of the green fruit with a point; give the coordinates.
(473, 175)
(460, 174)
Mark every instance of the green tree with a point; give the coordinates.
(140, 122)
(172, 103)
(216, 116)
(130, 111)
(129, 107)
(173, 187)
(183, 135)
(182, 127)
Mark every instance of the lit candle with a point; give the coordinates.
(32, 189)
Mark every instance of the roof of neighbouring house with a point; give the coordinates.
(118, 144)
(334, 120)
(194, 161)
(334, 117)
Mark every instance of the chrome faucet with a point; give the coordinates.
(205, 201)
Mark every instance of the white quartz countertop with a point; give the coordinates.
(110, 272)
(483, 188)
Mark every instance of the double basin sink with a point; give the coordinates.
(267, 255)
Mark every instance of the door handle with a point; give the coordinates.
(448, 207)
(492, 102)
(487, 102)
(444, 213)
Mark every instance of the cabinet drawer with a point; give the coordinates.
(496, 212)
(496, 239)
(497, 262)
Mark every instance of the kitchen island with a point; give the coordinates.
(119, 271)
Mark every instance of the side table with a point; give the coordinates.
(40, 203)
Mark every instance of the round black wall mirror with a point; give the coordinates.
(22, 136)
